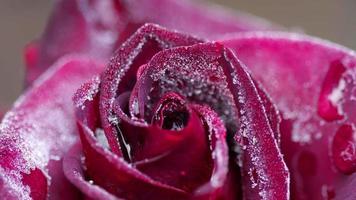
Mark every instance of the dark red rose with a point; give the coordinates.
(166, 118)
(172, 116)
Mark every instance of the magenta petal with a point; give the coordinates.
(206, 21)
(272, 112)
(95, 28)
(260, 147)
(344, 149)
(31, 137)
(81, 27)
(308, 79)
(346, 188)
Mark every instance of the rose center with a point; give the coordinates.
(175, 120)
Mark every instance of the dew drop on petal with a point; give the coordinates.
(344, 149)
(332, 92)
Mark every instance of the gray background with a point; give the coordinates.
(23, 20)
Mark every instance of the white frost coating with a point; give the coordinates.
(29, 129)
(100, 136)
(337, 92)
(195, 78)
(253, 181)
(125, 64)
(217, 180)
(89, 94)
(12, 182)
(113, 119)
(305, 127)
(336, 95)
(349, 154)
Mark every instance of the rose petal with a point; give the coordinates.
(213, 66)
(346, 188)
(206, 21)
(271, 110)
(31, 138)
(86, 27)
(135, 182)
(118, 177)
(180, 157)
(73, 170)
(294, 69)
(223, 183)
(96, 27)
(120, 75)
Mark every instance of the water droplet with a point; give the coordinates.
(329, 107)
(344, 149)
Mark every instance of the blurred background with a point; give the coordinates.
(23, 20)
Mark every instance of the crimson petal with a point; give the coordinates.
(177, 155)
(119, 177)
(73, 170)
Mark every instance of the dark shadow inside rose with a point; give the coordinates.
(171, 115)
(175, 138)
(175, 120)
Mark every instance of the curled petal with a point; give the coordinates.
(214, 66)
(223, 183)
(120, 75)
(73, 170)
(119, 177)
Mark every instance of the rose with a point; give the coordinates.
(31, 152)
(30, 125)
(166, 105)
